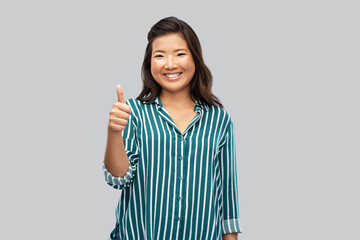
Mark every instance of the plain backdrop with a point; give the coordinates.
(286, 71)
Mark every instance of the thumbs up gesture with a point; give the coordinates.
(119, 113)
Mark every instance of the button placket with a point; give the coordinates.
(179, 173)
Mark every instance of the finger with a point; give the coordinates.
(123, 107)
(119, 121)
(119, 114)
(120, 93)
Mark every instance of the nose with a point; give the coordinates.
(170, 63)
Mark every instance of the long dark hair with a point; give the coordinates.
(200, 85)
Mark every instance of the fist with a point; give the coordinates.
(119, 113)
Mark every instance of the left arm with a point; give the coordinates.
(230, 202)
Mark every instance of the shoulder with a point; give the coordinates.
(220, 117)
(220, 112)
(136, 109)
(133, 102)
(137, 106)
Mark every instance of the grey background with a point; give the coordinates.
(286, 71)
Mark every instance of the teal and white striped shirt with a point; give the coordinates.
(178, 186)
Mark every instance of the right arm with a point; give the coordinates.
(116, 160)
(120, 160)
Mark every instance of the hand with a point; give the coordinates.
(119, 113)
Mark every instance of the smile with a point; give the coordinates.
(172, 76)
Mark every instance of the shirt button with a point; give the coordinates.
(180, 157)
(179, 198)
(177, 218)
(182, 138)
(179, 178)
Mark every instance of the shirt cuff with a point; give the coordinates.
(119, 182)
(231, 226)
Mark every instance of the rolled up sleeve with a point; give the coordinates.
(132, 150)
(230, 202)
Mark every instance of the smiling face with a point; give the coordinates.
(172, 65)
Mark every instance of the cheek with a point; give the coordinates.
(154, 67)
(190, 67)
(189, 64)
(155, 71)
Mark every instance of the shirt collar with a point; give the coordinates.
(198, 104)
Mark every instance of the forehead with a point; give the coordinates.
(169, 41)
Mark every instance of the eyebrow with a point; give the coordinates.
(176, 50)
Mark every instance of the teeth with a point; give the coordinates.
(172, 75)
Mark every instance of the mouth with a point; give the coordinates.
(172, 76)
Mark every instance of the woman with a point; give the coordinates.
(171, 151)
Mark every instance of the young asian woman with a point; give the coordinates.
(171, 151)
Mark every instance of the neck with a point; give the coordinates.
(176, 100)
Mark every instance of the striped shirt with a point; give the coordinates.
(178, 185)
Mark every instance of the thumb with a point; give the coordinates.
(120, 93)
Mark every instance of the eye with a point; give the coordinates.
(181, 54)
(157, 56)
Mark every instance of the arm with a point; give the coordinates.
(230, 203)
(115, 160)
(121, 157)
(121, 154)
